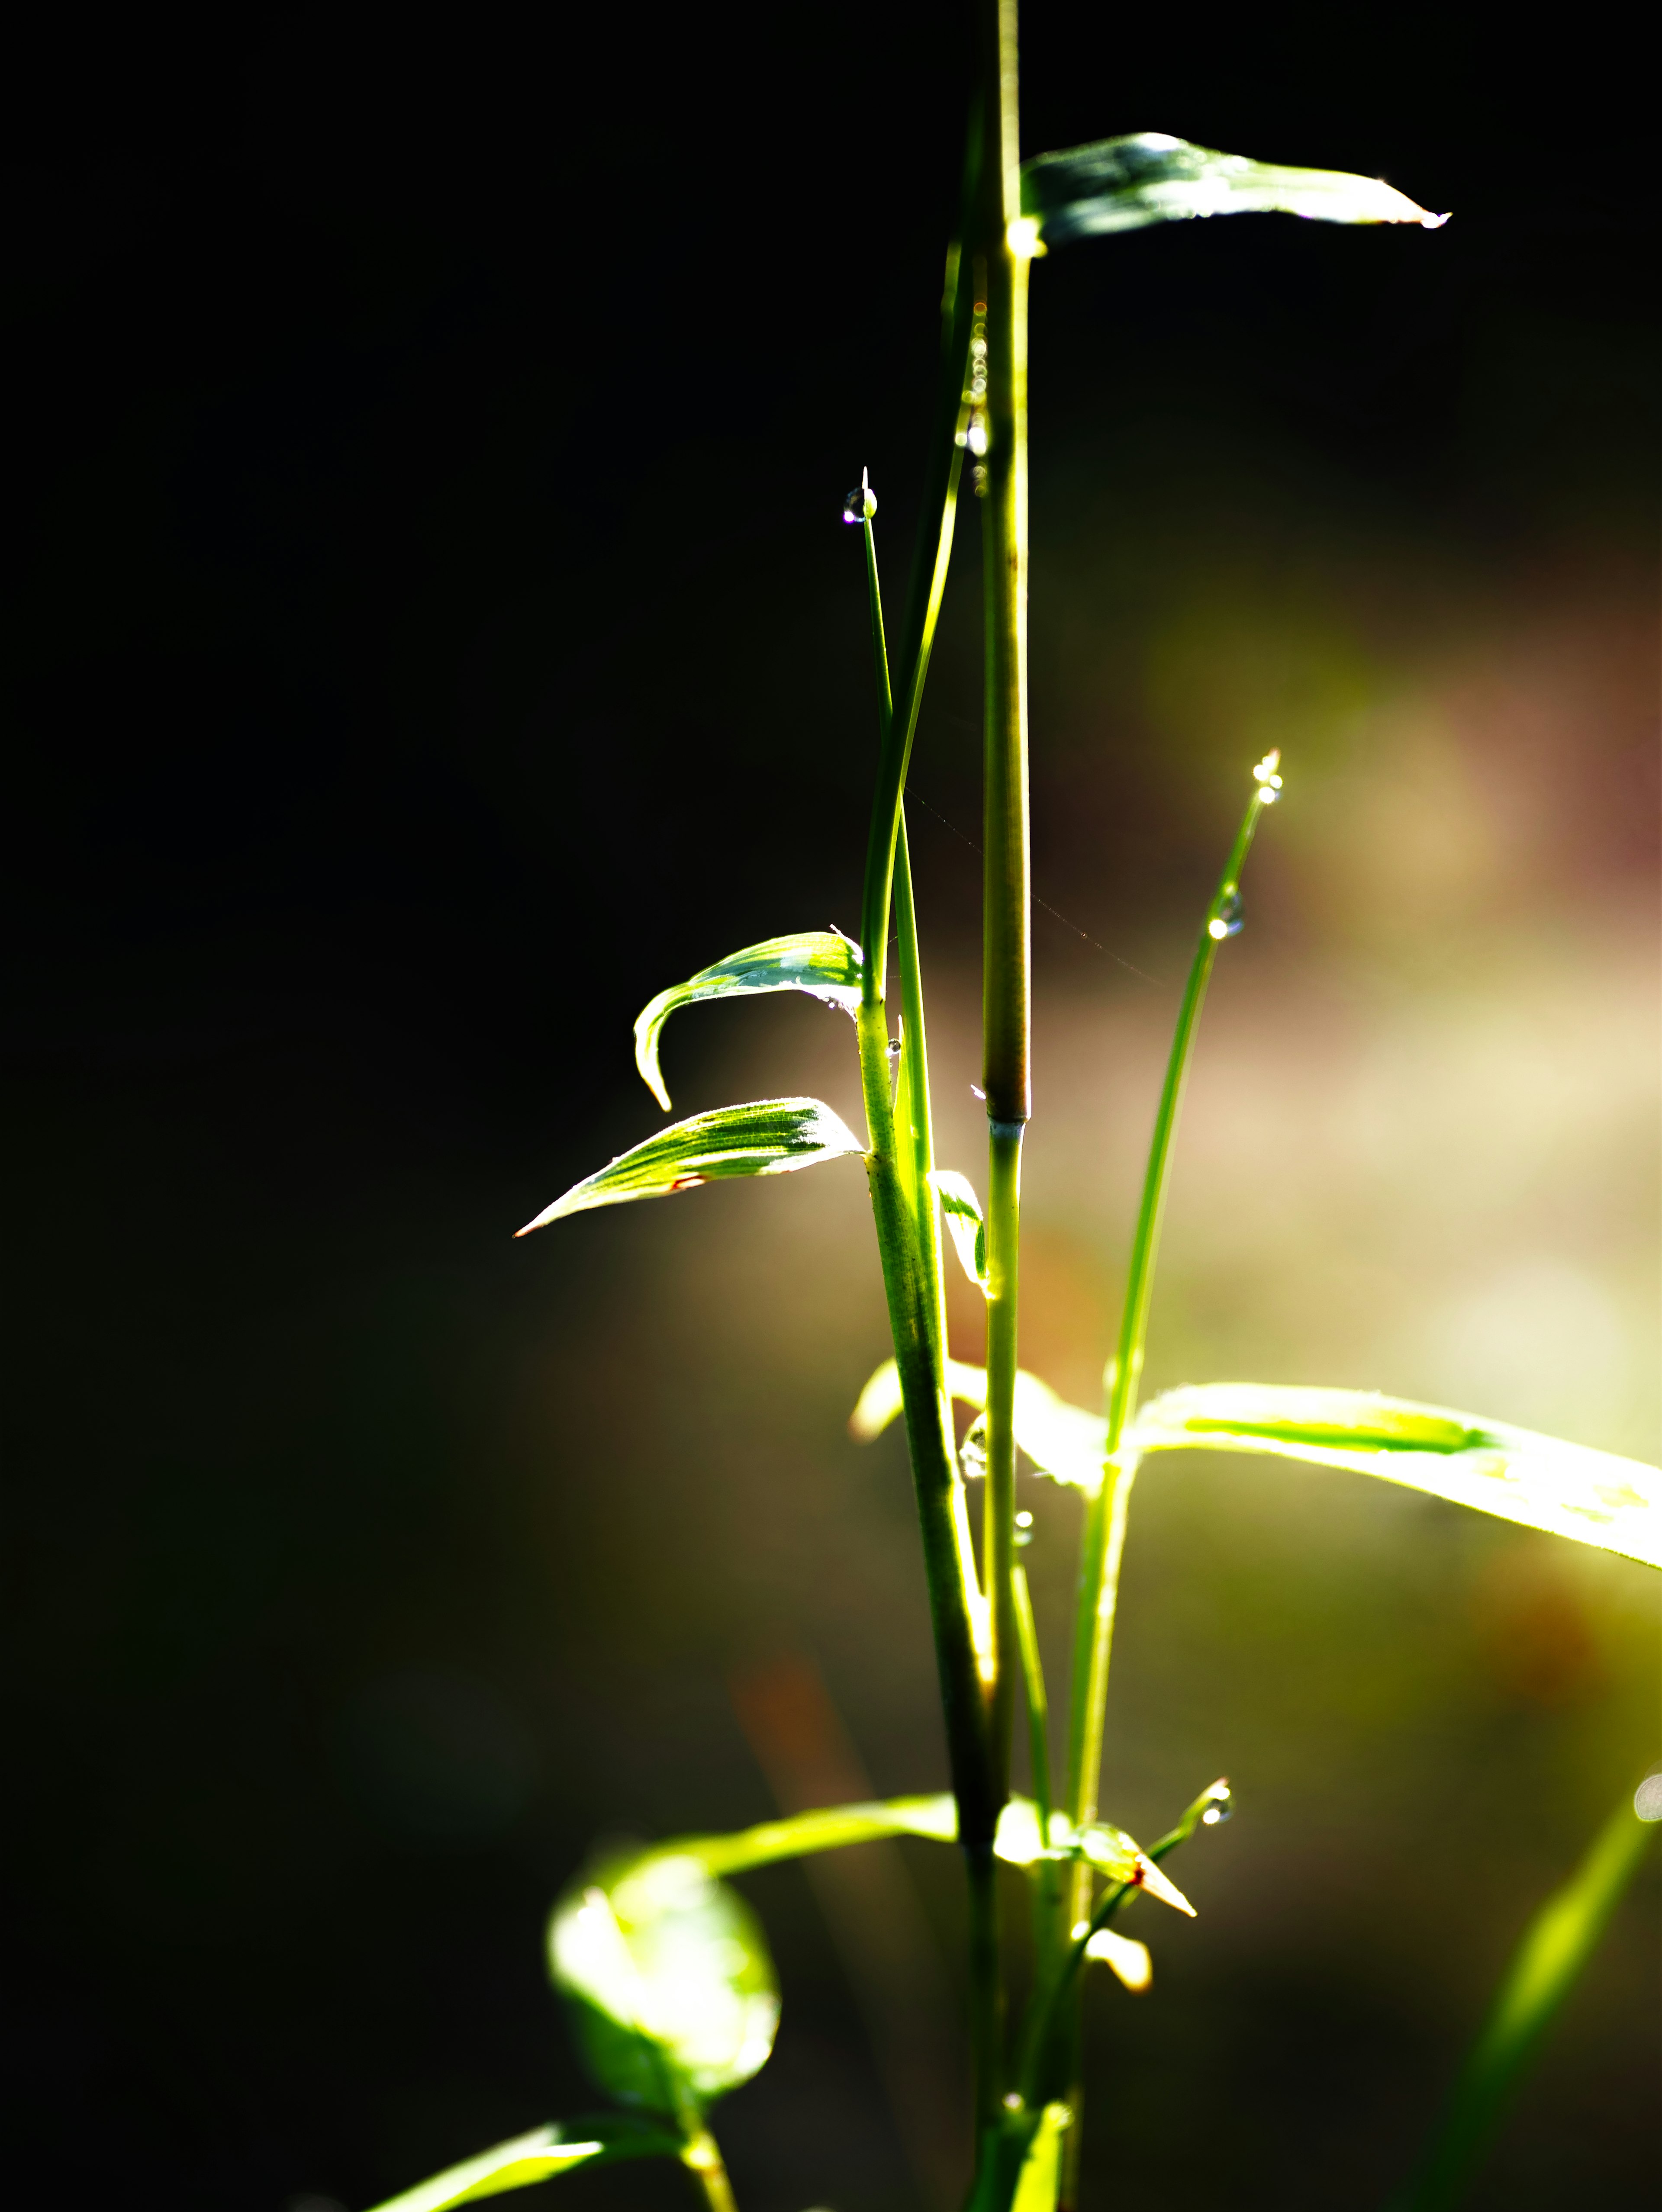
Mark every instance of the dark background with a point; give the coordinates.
(428, 632)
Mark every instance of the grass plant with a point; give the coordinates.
(662, 1966)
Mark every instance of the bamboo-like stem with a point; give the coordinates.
(1001, 280)
(1032, 1678)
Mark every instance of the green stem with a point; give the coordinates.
(1104, 1527)
(1001, 279)
(913, 1103)
(1032, 1677)
(703, 2159)
(930, 564)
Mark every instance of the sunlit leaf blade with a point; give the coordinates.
(1566, 1489)
(596, 2140)
(771, 1136)
(823, 963)
(667, 1977)
(960, 1209)
(1062, 1441)
(1041, 2170)
(1123, 184)
(1543, 1969)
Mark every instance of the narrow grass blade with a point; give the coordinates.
(598, 2140)
(666, 1975)
(1124, 183)
(771, 1136)
(822, 962)
(1568, 1490)
(1543, 1969)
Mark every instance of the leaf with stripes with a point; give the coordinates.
(771, 1136)
(1568, 1490)
(823, 963)
(1124, 184)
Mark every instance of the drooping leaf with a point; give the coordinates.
(1123, 184)
(960, 1209)
(1062, 1441)
(1543, 1969)
(1568, 1490)
(823, 963)
(598, 2139)
(667, 1977)
(771, 1136)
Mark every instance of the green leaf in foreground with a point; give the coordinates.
(771, 1136)
(1123, 184)
(1568, 1490)
(599, 2139)
(1543, 1969)
(666, 1975)
(823, 963)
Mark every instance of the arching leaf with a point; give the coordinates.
(1124, 183)
(823, 963)
(597, 2140)
(666, 1975)
(771, 1136)
(1568, 1490)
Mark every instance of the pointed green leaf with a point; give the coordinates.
(666, 1975)
(1123, 184)
(1551, 1955)
(1566, 1489)
(960, 1209)
(824, 964)
(771, 1136)
(596, 2140)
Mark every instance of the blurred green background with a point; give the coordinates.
(429, 632)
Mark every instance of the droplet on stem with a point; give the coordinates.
(1226, 921)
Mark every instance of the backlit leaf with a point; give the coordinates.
(1123, 184)
(960, 1209)
(1062, 1441)
(597, 2140)
(771, 1136)
(823, 963)
(1566, 1489)
(667, 1974)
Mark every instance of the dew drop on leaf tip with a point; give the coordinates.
(1221, 1807)
(861, 503)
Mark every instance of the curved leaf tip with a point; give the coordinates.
(824, 964)
(769, 1136)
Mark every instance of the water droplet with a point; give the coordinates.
(977, 439)
(1221, 1807)
(893, 1048)
(861, 503)
(978, 481)
(1648, 1798)
(1226, 921)
(978, 1091)
(1024, 1531)
(1013, 2102)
